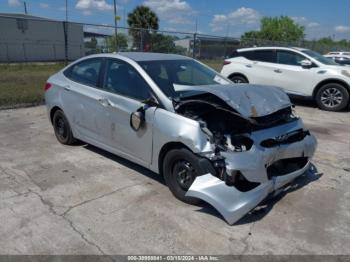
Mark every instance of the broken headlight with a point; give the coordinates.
(239, 143)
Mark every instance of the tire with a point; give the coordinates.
(180, 163)
(237, 79)
(63, 131)
(332, 97)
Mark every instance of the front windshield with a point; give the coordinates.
(167, 73)
(320, 58)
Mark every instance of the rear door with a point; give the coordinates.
(81, 99)
(262, 67)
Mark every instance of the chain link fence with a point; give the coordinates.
(26, 38)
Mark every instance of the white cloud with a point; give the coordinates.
(301, 20)
(241, 17)
(44, 5)
(14, 2)
(313, 24)
(172, 11)
(342, 29)
(88, 6)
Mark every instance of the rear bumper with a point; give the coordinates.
(232, 203)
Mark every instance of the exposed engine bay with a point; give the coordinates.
(253, 155)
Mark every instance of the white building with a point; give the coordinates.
(25, 38)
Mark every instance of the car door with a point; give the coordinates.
(291, 76)
(81, 99)
(125, 90)
(262, 67)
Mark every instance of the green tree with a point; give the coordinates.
(282, 29)
(165, 44)
(142, 17)
(92, 43)
(120, 41)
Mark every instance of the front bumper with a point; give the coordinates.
(232, 203)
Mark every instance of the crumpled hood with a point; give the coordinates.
(248, 100)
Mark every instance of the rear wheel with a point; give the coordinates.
(237, 79)
(180, 168)
(63, 132)
(332, 97)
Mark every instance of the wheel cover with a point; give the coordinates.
(61, 128)
(184, 174)
(237, 80)
(331, 97)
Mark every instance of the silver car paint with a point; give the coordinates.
(165, 126)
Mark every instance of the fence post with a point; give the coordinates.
(65, 35)
(194, 45)
(24, 52)
(54, 52)
(141, 41)
(7, 52)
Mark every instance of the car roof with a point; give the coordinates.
(141, 56)
(271, 47)
(149, 56)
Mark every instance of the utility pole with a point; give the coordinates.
(66, 10)
(115, 26)
(25, 7)
(65, 32)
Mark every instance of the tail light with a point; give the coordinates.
(226, 62)
(47, 86)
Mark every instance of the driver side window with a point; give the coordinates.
(122, 79)
(289, 58)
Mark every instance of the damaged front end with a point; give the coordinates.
(254, 154)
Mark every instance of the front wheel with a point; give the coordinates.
(238, 79)
(180, 168)
(332, 97)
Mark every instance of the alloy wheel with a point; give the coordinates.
(331, 97)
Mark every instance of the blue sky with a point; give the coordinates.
(221, 17)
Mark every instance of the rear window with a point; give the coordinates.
(257, 55)
(265, 56)
(246, 54)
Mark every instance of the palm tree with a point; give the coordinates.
(142, 20)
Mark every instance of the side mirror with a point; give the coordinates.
(137, 119)
(150, 102)
(306, 63)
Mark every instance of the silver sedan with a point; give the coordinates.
(229, 145)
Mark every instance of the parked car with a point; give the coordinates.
(346, 54)
(230, 145)
(341, 60)
(300, 72)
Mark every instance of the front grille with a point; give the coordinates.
(286, 166)
(289, 138)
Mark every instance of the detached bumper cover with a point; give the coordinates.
(233, 204)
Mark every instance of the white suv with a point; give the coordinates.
(344, 54)
(300, 72)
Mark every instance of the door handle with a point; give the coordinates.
(67, 88)
(104, 101)
(277, 71)
(249, 66)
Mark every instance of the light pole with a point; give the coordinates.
(115, 25)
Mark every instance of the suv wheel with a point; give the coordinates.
(238, 79)
(62, 128)
(332, 97)
(180, 168)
